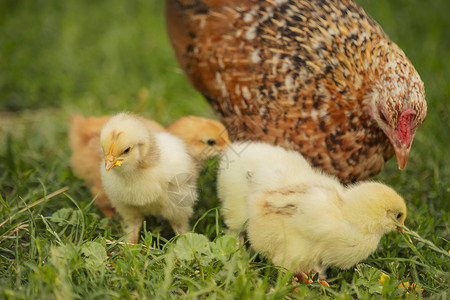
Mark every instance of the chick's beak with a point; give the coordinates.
(400, 228)
(402, 156)
(111, 161)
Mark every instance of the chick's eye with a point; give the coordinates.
(211, 142)
(399, 216)
(127, 150)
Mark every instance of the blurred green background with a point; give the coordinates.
(91, 57)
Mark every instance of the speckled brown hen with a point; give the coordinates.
(204, 139)
(317, 76)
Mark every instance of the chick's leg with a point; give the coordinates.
(305, 279)
(179, 228)
(132, 221)
(180, 221)
(179, 209)
(178, 218)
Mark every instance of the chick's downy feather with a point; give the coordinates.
(147, 173)
(320, 77)
(204, 138)
(298, 217)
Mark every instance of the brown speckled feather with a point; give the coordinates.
(300, 74)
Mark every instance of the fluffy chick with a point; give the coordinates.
(300, 218)
(84, 140)
(204, 138)
(147, 173)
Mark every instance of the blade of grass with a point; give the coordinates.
(62, 190)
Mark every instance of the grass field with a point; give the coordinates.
(101, 57)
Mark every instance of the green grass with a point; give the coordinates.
(100, 57)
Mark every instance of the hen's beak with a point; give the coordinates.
(111, 161)
(402, 156)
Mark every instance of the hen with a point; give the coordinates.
(204, 138)
(147, 172)
(317, 76)
(300, 218)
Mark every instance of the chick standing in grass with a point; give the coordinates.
(147, 173)
(203, 137)
(298, 217)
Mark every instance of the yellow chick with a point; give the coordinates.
(204, 138)
(298, 217)
(84, 139)
(147, 172)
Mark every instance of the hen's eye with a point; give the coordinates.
(127, 150)
(399, 215)
(211, 142)
(382, 117)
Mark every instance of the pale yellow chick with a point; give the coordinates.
(298, 217)
(146, 172)
(204, 138)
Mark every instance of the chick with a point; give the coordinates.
(147, 173)
(84, 139)
(204, 138)
(300, 218)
